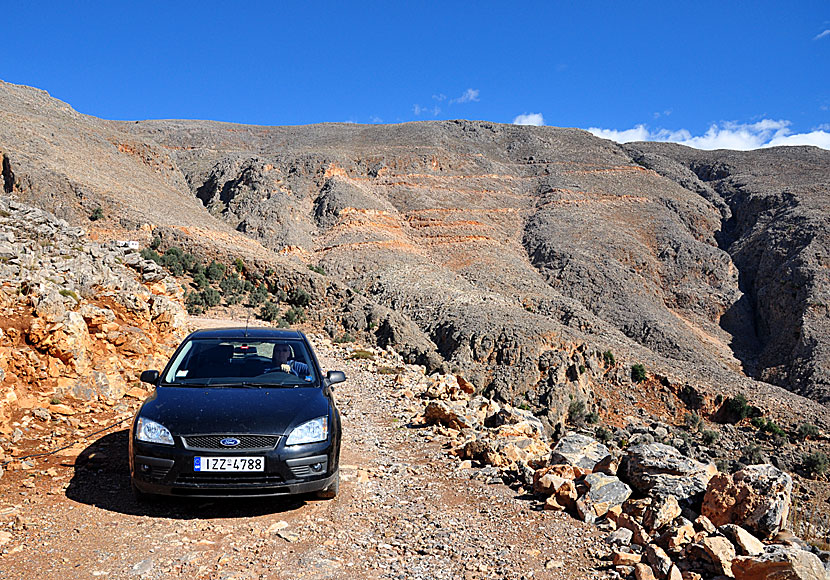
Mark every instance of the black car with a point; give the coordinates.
(238, 412)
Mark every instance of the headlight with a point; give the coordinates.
(152, 432)
(309, 432)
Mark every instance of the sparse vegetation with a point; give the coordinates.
(815, 463)
(709, 436)
(361, 354)
(638, 373)
(806, 430)
(753, 455)
(317, 269)
(768, 426)
(602, 434)
(737, 408)
(608, 358)
(692, 421)
(345, 337)
(97, 214)
(576, 412)
(592, 418)
(69, 294)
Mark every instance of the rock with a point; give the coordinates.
(677, 537)
(784, 562)
(449, 414)
(619, 537)
(625, 559)
(579, 450)
(756, 498)
(643, 572)
(661, 512)
(604, 492)
(660, 470)
(659, 560)
(721, 552)
(746, 543)
(640, 536)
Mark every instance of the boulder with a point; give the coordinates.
(756, 498)
(721, 552)
(661, 470)
(779, 562)
(661, 512)
(449, 414)
(604, 492)
(579, 450)
(659, 560)
(746, 543)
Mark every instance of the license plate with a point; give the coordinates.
(228, 464)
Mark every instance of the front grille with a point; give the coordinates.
(234, 479)
(246, 442)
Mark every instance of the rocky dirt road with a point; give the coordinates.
(406, 510)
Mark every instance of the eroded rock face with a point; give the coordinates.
(757, 498)
(661, 470)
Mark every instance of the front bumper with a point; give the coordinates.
(165, 470)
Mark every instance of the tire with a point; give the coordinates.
(332, 490)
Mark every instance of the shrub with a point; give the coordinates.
(638, 373)
(709, 436)
(200, 281)
(258, 296)
(805, 430)
(195, 303)
(576, 412)
(608, 358)
(692, 421)
(360, 354)
(239, 265)
(215, 271)
(295, 314)
(69, 294)
(346, 337)
(815, 463)
(269, 311)
(581, 369)
(768, 426)
(317, 269)
(96, 214)
(211, 297)
(602, 434)
(154, 245)
(300, 297)
(149, 254)
(737, 408)
(753, 455)
(592, 418)
(384, 370)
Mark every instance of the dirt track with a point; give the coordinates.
(405, 511)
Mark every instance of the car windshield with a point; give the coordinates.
(241, 362)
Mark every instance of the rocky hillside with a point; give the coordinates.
(540, 263)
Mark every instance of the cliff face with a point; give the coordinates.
(519, 254)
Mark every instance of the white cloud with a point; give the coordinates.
(440, 97)
(529, 119)
(728, 135)
(469, 96)
(418, 109)
(822, 35)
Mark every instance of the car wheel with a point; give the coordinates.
(332, 490)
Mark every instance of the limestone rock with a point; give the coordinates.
(746, 543)
(661, 470)
(784, 562)
(579, 450)
(757, 498)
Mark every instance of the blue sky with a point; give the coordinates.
(734, 74)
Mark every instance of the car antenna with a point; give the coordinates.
(246, 323)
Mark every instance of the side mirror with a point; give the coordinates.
(334, 377)
(151, 377)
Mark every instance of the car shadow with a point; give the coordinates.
(102, 479)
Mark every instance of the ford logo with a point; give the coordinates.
(229, 442)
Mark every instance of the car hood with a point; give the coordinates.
(234, 410)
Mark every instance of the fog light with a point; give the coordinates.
(317, 467)
(145, 468)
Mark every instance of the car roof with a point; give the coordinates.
(242, 332)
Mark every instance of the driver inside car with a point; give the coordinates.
(283, 359)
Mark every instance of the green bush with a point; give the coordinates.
(317, 269)
(194, 303)
(768, 426)
(805, 430)
(300, 297)
(239, 265)
(815, 463)
(608, 358)
(69, 294)
(602, 434)
(211, 296)
(638, 373)
(753, 455)
(346, 337)
(576, 412)
(96, 214)
(709, 436)
(149, 254)
(692, 421)
(258, 296)
(592, 418)
(215, 271)
(295, 314)
(200, 281)
(737, 408)
(360, 354)
(270, 311)
(156, 243)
